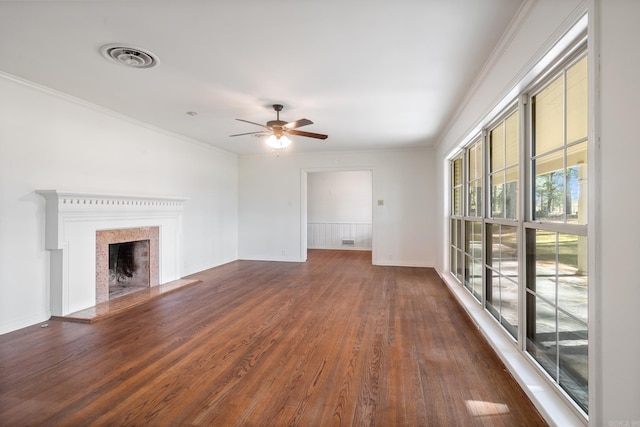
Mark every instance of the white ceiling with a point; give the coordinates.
(370, 73)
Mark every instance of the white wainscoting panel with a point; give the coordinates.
(339, 235)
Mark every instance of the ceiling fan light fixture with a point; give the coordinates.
(278, 142)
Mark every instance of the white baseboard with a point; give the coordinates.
(23, 322)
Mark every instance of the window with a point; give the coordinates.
(504, 173)
(556, 239)
(474, 179)
(473, 258)
(456, 254)
(559, 149)
(502, 264)
(473, 224)
(519, 244)
(502, 275)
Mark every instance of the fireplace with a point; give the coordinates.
(80, 227)
(126, 261)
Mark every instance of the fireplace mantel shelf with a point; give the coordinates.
(97, 199)
(67, 205)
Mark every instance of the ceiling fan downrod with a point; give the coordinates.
(278, 108)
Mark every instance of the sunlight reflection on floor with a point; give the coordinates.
(479, 408)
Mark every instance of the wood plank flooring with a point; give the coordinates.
(334, 341)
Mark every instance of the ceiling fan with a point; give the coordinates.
(279, 129)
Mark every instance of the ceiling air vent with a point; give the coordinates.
(129, 56)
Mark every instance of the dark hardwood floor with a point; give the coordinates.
(334, 341)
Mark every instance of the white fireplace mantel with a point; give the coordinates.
(72, 219)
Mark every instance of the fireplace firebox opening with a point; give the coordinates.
(128, 267)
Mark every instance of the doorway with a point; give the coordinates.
(337, 210)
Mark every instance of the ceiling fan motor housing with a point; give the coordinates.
(276, 123)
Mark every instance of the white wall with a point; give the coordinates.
(619, 204)
(339, 196)
(49, 141)
(271, 206)
(614, 279)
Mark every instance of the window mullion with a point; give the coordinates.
(556, 303)
(564, 145)
(486, 203)
(578, 229)
(523, 141)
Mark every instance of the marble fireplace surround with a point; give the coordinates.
(72, 220)
(104, 238)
